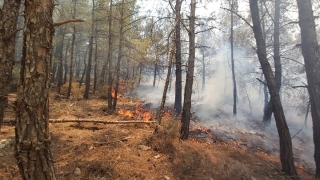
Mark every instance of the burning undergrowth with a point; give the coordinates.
(140, 112)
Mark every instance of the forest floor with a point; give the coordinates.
(133, 151)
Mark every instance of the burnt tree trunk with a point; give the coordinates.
(277, 62)
(8, 24)
(32, 149)
(186, 115)
(311, 54)
(178, 87)
(286, 154)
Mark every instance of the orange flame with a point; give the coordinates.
(125, 113)
(199, 142)
(113, 94)
(146, 116)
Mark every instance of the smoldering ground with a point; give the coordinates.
(213, 105)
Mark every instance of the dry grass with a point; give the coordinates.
(83, 146)
(164, 135)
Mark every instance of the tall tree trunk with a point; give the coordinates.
(72, 51)
(311, 54)
(155, 73)
(95, 67)
(166, 85)
(172, 73)
(88, 73)
(77, 64)
(66, 63)
(178, 87)
(121, 38)
(85, 67)
(277, 61)
(32, 149)
(110, 77)
(8, 24)
(286, 155)
(54, 70)
(103, 73)
(140, 73)
(59, 56)
(185, 119)
(232, 62)
(203, 87)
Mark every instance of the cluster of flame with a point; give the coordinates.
(113, 94)
(204, 130)
(140, 112)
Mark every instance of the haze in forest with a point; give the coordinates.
(226, 68)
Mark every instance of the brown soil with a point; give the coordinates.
(112, 151)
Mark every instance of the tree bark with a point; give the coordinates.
(54, 71)
(203, 87)
(277, 61)
(286, 154)
(166, 85)
(185, 118)
(121, 39)
(66, 63)
(103, 73)
(110, 77)
(95, 67)
(232, 62)
(32, 149)
(59, 56)
(72, 51)
(85, 67)
(140, 73)
(155, 72)
(88, 72)
(311, 54)
(8, 24)
(178, 87)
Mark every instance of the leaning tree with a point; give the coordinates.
(286, 154)
(311, 54)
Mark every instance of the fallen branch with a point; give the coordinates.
(106, 143)
(13, 121)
